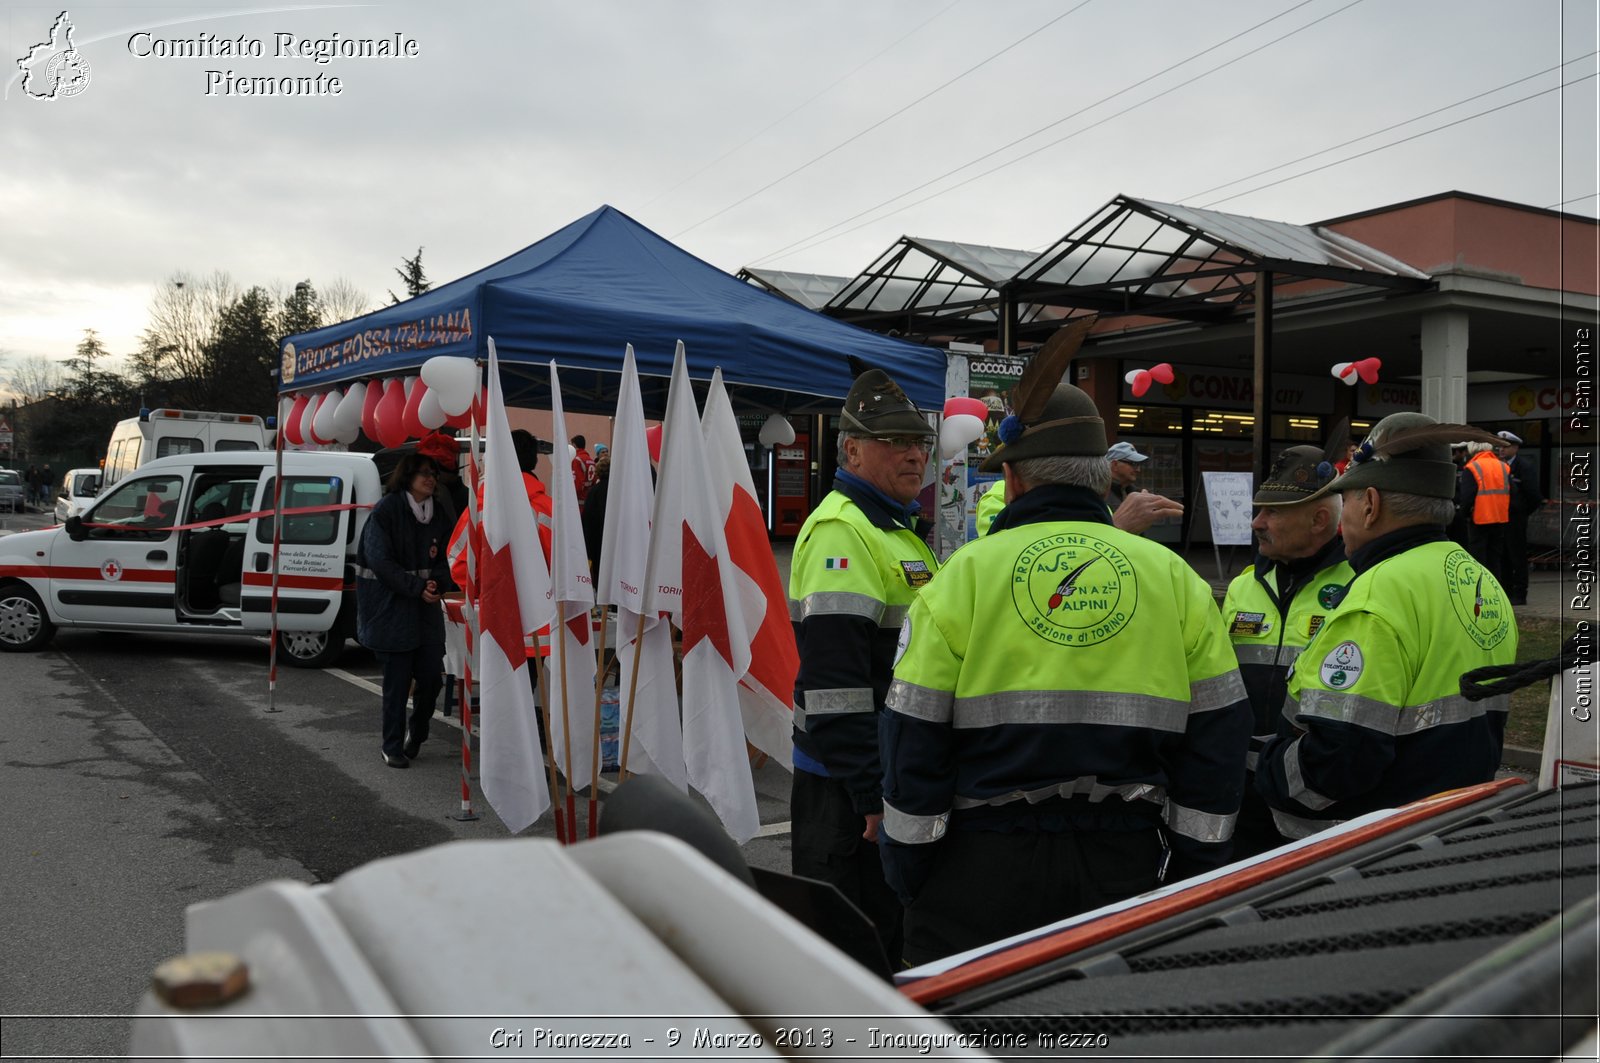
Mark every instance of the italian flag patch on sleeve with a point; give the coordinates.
(836, 562)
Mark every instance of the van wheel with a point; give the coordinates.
(24, 627)
(309, 649)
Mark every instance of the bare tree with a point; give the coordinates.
(184, 313)
(34, 377)
(342, 300)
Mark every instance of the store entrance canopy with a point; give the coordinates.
(580, 296)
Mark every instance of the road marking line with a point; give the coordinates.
(772, 830)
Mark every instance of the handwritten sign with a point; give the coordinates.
(1228, 501)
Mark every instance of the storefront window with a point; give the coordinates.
(1149, 420)
(1225, 424)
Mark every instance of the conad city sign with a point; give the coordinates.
(1227, 390)
(1514, 401)
(1521, 400)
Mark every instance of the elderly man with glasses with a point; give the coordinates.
(858, 562)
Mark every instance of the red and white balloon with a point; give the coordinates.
(1366, 370)
(1141, 379)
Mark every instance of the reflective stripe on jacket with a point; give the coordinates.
(1268, 632)
(1063, 675)
(1377, 693)
(854, 573)
(1492, 504)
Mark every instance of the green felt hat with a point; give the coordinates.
(877, 407)
(1299, 475)
(1069, 426)
(1409, 453)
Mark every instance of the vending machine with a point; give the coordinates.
(791, 473)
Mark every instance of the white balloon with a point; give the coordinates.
(429, 413)
(777, 431)
(306, 416)
(346, 432)
(347, 418)
(957, 432)
(453, 377)
(322, 422)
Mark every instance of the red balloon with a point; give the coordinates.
(460, 420)
(652, 440)
(291, 428)
(369, 409)
(408, 417)
(391, 414)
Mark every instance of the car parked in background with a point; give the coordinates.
(78, 489)
(13, 492)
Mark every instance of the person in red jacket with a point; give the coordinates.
(582, 467)
(527, 447)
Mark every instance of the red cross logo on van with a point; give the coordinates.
(110, 570)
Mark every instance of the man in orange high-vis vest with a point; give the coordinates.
(1484, 493)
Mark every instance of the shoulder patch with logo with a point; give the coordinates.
(1477, 599)
(916, 572)
(1331, 595)
(1249, 624)
(835, 562)
(904, 641)
(1342, 666)
(1074, 589)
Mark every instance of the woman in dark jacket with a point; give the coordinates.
(402, 572)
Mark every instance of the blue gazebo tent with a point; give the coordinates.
(584, 292)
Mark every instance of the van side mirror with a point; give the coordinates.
(74, 526)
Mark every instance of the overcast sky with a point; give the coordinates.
(744, 131)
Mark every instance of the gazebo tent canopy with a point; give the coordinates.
(580, 295)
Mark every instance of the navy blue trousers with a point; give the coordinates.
(425, 666)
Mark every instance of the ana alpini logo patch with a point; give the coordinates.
(1074, 589)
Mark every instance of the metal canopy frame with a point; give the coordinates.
(1141, 257)
(928, 287)
(810, 290)
(1132, 257)
(1138, 256)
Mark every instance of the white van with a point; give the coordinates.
(78, 488)
(163, 433)
(183, 546)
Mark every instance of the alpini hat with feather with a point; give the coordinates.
(1303, 473)
(1409, 453)
(879, 408)
(1049, 418)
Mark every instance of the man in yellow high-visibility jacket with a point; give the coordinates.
(1067, 725)
(1375, 698)
(1280, 602)
(858, 562)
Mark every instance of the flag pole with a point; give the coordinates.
(549, 753)
(277, 542)
(599, 687)
(633, 689)
(566, 724)
(469, 596)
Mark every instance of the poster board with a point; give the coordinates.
(1229, 504)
